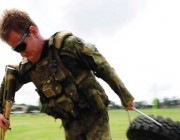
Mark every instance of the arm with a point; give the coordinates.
(90, 57)
(7, 93)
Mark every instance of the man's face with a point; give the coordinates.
(30, 42)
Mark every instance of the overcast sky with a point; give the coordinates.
(139, 38)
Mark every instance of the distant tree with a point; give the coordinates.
(32, 108)
(166, 102)
(175, 101)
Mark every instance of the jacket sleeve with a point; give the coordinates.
(1, 96)
(19, 84)
(93, 60)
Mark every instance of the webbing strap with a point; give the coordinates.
(58, 39)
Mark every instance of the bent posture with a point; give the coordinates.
(63, 69)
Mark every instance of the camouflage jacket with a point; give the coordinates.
(78, 57)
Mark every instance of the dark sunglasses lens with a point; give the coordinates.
(20, 47)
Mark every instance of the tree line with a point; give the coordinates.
(157, 103)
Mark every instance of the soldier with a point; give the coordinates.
(63, 69)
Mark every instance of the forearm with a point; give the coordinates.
(108, 74)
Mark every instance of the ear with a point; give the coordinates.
(33, 31)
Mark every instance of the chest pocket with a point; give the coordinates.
(51, 88)
(44, 80)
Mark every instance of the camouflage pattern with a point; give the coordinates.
(76, 97)
(99, 130)
(93, 60)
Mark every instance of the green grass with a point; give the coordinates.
(43, 127)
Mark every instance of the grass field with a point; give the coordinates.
(43, 127)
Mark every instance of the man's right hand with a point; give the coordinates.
(4, 123)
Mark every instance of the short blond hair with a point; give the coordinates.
(14, 20)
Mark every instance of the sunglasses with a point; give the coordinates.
(21, 45)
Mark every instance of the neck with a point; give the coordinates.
(44, 49)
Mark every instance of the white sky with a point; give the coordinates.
(139, 38)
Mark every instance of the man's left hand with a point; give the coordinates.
(130, 106)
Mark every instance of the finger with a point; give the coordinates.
(5, 124)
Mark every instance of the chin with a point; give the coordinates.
(32, 61)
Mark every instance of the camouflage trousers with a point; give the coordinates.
(88, 127)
